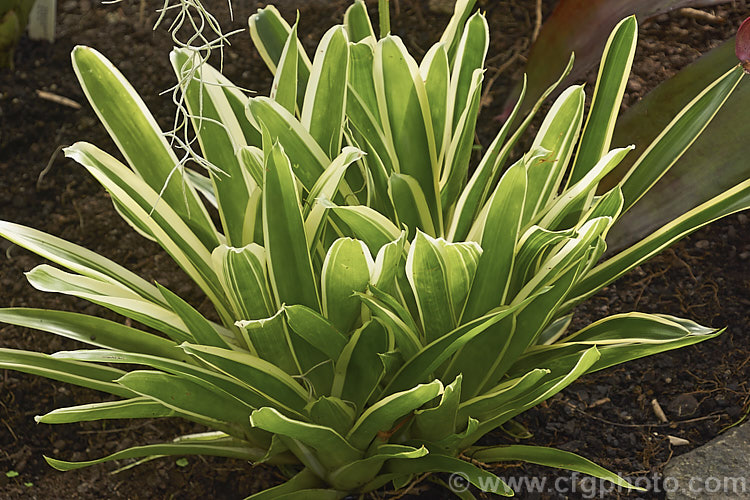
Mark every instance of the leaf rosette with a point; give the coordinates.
(380, 305)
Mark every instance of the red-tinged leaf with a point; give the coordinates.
(700, 174)
(582, 26)
(742, 44)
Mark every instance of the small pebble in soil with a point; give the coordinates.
(634, 85)
(683, 405)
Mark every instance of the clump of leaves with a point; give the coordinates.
(380, 308)
(14, 16)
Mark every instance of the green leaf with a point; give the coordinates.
(219, 134)
(583, 31)
(114, 297)
(574, 251)
(688, 183)
(619, 338)
(532, 398)
(731, 201)
(404, 332)
(301, 484)
(614, 71)
(100, 378)
(237, 102)
(210, 379)
(332, 412)
(469, 57)
(607, 205)
(140, 407)
(457, 159)
(362, 103)
(202, 185)
(461, 263)
(428, 359)
(366, 224)
(92, 330)
(254, 372)
(387, 263)
(532, 250)
(557, 134)
(139, 138)
(242, 274)
(314, 494)
(357, 22)
(359, 369)
(346, 270)
(284, 87)
(549, 457)
(163, 222)
(332, 449)
(452, 34)
(497, 239)
(482, 479)
(555, 330)
(435, 71)
(410, 203)
(193, 401)
(201, 330)
(382, 416)
(434, 424)
(325, 97)
(78, 259)
(354, 475)
(362, 112)
(251, 159)
(484, 179)
(270, 341)
(570, 204)
(292, 352)
(552, 283)
(269, 32)
(226, 447)
(677, 137)
(289, 264)
(487, 404)
(306, 156)
(316, 330)
(480, 184)
(428, 277)
(405, 114)
(326, 188)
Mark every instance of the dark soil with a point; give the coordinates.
(606, 417)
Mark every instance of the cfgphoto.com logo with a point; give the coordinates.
(591, 487)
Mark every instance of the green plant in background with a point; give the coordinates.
(14, 16)
(379, 308)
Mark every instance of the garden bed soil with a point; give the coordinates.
(607, 417)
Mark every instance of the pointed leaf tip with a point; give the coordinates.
(742, 44)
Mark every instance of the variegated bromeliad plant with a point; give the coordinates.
(380, 306)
